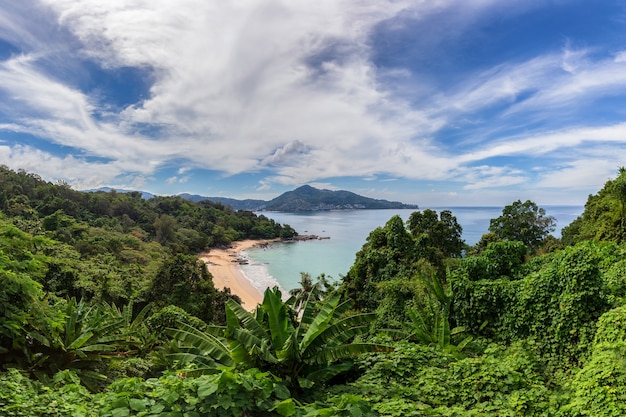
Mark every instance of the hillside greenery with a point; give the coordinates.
(105, 310)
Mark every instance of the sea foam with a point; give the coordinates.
(258, 274)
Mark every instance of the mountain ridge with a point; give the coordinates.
(303, 198)
(308, 198)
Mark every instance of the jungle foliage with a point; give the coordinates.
(105, 311)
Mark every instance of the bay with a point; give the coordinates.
(281, 263)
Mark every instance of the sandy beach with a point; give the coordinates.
(223, 265)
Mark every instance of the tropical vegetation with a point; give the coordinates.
(105, 310)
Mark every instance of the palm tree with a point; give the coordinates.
(311, 348)
(300, 294)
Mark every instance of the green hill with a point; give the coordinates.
(307, 198)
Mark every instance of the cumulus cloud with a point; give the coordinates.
(235, 83)
(176, 180)
(78, 172)
(286, 153)
(288, 88)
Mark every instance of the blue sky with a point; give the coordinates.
(442, 102)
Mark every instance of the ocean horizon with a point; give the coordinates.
(280, 264)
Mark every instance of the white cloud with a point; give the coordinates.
(240, 84)
(620, 56)
(485, 176)
(177, 180)
(502, 83)
(78, 172)
(542, 144)
(288, 88)
(572, 59)
(263, 186)
(287, 153)
(585, 173)
(576, 89)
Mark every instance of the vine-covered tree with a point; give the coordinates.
(387, 254)
(604, 217)
(524, 222)
(436, 237)
(441, 233)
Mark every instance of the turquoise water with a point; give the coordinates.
(282, 263)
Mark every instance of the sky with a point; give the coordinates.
(429, 102)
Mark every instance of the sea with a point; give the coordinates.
(281, 264)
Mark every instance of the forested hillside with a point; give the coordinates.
(117, 247)
(105, 311)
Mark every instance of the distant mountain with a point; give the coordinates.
(304, 198)
(307, 198)
(144, 194)
(248, 204)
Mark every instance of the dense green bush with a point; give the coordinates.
(62, 397)
(185, 281)
(416, 380)
(227, 392)
(501, 259)
(556, 306)
(599, 388)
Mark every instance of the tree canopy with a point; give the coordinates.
(524, 222)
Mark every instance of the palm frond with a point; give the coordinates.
(321, 320)
(235, 314)
(308, 309)
(348, 351)
(342, 331)
(277, 317)
(342, 309)
(324, 373)
(202, 343)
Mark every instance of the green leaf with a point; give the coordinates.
(136, 404)
(350, 351)
(281, 391)
(207, 389)
(325, 373)
(308, 309)
(340, 332)
(286, 408)
(277, 317)
(320, 322)
(235, 310)
(170, 397)
(203, 343)
(120, 412)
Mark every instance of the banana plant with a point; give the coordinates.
(302, 347)
(88, 334)
(431, 325)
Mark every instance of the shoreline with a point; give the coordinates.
(224, 266)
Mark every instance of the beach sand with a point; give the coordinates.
(226, 271)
